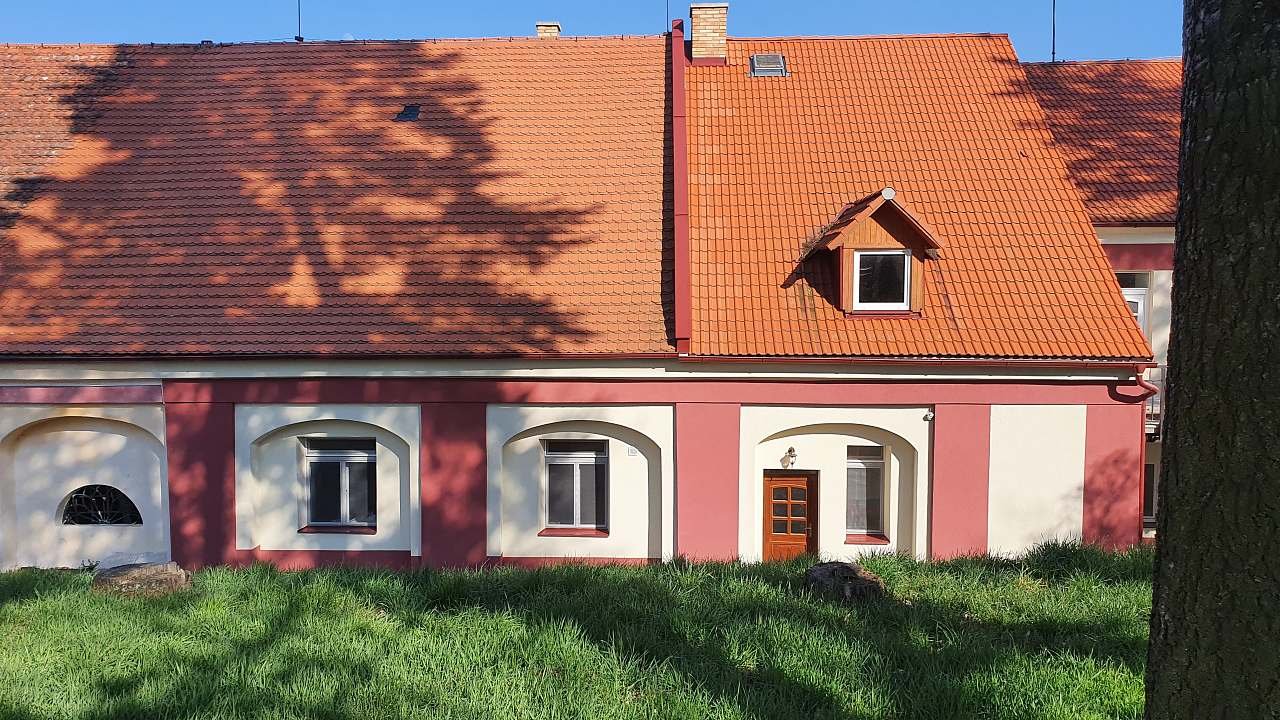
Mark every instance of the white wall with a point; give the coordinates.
(1160, 314)
(641, 479)
(821, 436)
(1036, 490)
(271, 487)
(48, 451)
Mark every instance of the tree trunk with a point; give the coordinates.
(1215, 624)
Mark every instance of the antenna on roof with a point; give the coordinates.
(1052, 32)
(298, 37)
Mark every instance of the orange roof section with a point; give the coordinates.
(261, 199)
(1117, 125)
(950, 123)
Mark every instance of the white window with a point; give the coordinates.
(864, 510)
(881, 280)
(577, 483)
(1134, 287)
(342, 481)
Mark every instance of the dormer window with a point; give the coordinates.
(882, 280)
(878, 251)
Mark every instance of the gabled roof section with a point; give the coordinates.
(266, 199)
(1116, 123)
(855, 212)
(947, 121)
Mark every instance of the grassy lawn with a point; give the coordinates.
(1061, 634)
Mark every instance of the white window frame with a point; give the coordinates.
(906, 281)
(344, 458)
(1138, 295)
(865, 464)
(577, 460)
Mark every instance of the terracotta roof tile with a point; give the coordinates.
(950, 124)
(259, 198)
(1117, 125)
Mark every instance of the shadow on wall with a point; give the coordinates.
(1112, 507)
(45, 461)
(275, 179)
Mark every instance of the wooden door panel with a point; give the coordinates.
(790, 511)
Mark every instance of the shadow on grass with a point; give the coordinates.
(747, 639)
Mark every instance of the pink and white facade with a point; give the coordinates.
(977, 460)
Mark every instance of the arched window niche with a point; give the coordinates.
(99, 505)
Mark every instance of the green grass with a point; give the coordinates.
(1060, 634)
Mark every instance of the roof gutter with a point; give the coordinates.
(683, 278)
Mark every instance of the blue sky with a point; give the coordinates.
(1086, 28)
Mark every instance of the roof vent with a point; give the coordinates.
(768, 65)
(410, 112)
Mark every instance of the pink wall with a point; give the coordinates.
(202, 509)
(1113, 446)
(961, 465)
(707, 480)
(454, 484)
(1139, 257)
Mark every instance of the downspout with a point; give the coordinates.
(682, 280)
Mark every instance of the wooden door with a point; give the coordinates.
(790, 514)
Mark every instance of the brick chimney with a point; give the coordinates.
(548, 29)
(710, 23)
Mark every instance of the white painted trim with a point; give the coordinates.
(1136, 235)
(906, 281)
(102, 372)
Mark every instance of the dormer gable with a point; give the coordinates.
(878, 250)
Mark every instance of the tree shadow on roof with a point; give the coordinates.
(263, 199)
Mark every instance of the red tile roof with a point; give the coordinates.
(1117, 125)
(259, 198)
(950, 124)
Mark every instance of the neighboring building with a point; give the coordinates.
(522, 301)
(1116, 124)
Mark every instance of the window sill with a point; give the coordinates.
(882, 313)
(573, 532)
(338, 530)
(865, 539)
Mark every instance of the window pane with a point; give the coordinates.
(865, 452)
(779, 493)
(560, 494)
(362, 481)
(875, 492)
(797, 527)
(864, 510)
(340, 444)
(780, 526)
(779, 509)
(1132, 280)
(594, 491)
(798, 493)
(326, 486)
(590, 447)
(798, 510)
(882, 278)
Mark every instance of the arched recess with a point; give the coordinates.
(822, 447)
(271, 488)
(44, 461)
(636, 527)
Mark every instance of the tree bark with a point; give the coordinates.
(1215, 623)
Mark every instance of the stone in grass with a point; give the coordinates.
(142, 580)
(844, 581)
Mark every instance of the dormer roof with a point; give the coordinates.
(832, 235)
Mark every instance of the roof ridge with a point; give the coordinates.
(1110, 61)
(891, 36)
(357, 41)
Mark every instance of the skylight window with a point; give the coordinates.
(410, 112)
(768, 65)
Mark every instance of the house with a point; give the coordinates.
(522, 301)
(1116, 123)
